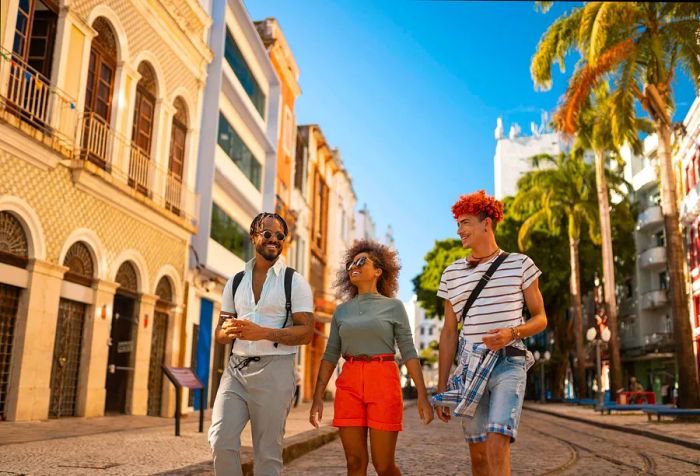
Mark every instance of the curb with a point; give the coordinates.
(294, 447)
(625, 429)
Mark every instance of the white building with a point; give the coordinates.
(645, 313)
(512, 158)
(236, 169)
(425, 329)
(365, 228)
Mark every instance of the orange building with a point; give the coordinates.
(288, 72)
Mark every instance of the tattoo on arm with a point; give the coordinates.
(298, 333)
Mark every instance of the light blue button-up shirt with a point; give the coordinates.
(270, 309)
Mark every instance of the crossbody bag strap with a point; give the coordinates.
(482, 284)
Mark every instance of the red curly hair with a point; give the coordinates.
(480, 204)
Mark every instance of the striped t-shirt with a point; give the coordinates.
(500, 303)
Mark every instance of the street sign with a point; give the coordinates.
(184, 377)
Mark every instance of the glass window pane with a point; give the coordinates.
(229, 234)
(238, 152)
(235, 59)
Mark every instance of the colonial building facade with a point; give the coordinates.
(100, 105)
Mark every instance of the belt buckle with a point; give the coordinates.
(361, 357)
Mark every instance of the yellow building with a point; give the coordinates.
(100, 105)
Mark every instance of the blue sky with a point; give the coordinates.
(410, 92)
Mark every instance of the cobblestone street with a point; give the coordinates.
(546, 445)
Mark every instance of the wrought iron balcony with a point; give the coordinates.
(30, 102)
(126, 164)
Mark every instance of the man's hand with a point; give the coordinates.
(498, 338)
(246, 330)
(443, 413)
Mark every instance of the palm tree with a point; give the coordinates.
(639, 47)
(551, 198)
(594, 132)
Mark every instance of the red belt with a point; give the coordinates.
(369, 358)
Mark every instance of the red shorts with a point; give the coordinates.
(369, 394)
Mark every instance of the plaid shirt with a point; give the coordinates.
(469, 380)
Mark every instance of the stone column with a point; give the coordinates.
(93, 370)
(142, 355)
(30, 376)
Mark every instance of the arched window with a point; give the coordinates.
(81, 268)
(142, 130)
(164, 290)
(14, 247)
(127, 278)
(176, 162)
(103, 63)
(98, 94)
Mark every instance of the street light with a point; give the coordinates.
(594, 334)
(544, 359)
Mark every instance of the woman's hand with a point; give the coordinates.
(316, 412)
(425, 410)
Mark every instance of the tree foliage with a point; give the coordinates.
(426, 284)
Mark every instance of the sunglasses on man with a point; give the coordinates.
(267, 234)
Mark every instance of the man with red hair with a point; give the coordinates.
(487, 292)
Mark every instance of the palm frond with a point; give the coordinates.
(553, 47)
(586, 79)
(543, 7)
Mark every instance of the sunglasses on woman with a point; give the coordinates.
(358, 263)
(267, 234)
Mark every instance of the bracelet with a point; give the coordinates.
(515, 333)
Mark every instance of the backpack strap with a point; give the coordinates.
(482, 284)
(288, 277)
(234, 286)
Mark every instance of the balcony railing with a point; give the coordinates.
(29, 101)
(654, 299)
(650, 217)
(653, 257)
(29, 98)
(129, 165)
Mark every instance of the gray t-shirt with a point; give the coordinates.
(370, 324)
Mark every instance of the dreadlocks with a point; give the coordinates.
(256, 226)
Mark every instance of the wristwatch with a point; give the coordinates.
(515, 333)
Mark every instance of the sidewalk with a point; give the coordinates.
(136, 445)
(682, 433)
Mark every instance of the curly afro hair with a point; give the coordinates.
(478, 203)
(383, 258)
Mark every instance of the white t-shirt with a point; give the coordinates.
(500, 304)
(270, 309)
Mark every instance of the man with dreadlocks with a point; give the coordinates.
(259, 381)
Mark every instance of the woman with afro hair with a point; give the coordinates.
(365, 330)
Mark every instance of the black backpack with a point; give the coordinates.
(288, 276)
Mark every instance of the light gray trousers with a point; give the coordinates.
(262, 393)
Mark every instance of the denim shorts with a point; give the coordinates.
(502, 402)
